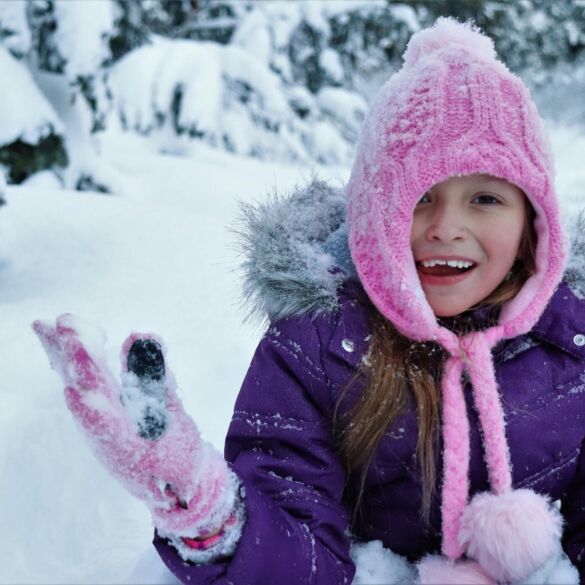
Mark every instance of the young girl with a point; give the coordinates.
(420, 382)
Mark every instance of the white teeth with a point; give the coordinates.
(454, 263)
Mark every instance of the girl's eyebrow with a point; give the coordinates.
(493, 189)
(494, 184)
(502, 190)
(496, 181)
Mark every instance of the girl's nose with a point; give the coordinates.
(447, 224)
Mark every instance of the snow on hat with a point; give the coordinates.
(452, 109)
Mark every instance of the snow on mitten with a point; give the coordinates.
(511, 535)
(139, 430)
(439, 570)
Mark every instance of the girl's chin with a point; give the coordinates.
(446, 303)
(451, 296)
(451, 305)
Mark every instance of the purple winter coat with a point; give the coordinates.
(280, 444)
(298, 498)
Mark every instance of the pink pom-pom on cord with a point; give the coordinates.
(448, 32)
(511, 534)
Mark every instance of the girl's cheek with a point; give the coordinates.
(419, 225)
(505, 238)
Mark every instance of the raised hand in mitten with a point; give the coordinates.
(139, 430)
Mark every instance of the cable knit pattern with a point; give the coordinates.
(456, 457)
(489, 408)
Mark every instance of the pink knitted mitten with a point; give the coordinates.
(138, 429)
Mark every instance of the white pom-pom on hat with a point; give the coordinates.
(446, 32)
(512, 534)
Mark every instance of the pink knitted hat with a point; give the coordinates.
(453, 109)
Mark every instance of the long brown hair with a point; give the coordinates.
(397, 366)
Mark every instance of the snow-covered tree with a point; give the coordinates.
(219, 94)
(533, 37)
(282, 85)
(323, 58)
(31, 134)
(56, 54)
(286, 80)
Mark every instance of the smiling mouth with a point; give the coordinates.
(443, 270)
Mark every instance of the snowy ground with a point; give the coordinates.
(157, 258)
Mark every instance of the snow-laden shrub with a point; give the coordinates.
(327, 43)
(324, 58)
(72, 39)
(55, 55)
(31, 134)
(285, 80)
(225, 96)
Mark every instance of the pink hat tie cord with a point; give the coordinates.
(525, 522)
(473, 353)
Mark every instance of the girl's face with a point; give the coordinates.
(475, 220)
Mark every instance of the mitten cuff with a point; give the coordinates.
(210, 502)
(216, 547)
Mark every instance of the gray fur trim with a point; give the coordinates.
(295, 252)
(291, 243)
(575, 272)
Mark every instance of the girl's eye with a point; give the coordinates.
(487, 199)
(483, 199)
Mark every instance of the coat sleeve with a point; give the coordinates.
(281, 446)
(573, 510)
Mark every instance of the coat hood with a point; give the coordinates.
(295, 250)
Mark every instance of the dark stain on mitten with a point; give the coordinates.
(153, 424)
(145, 360)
